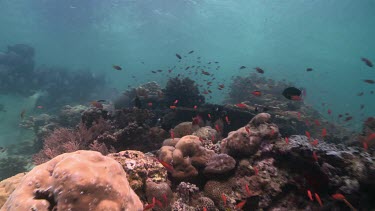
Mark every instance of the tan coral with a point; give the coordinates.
(246, 140)
(82, 180)
(186, 156)
(161, 191)
(140, 167)
(192, 147)
(7, 186)
(183, 129)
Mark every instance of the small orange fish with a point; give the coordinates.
(221, 86)
(286, 140)
(296, 98)
(308, 135)
(317, 123)
(370, 137)
(165, 198)
(227, 120)
(217, 128)
(257, 93)
(338, 196)
(172, 107)
(329, 112)
(241, 105)
(299, 115)
(158, 203)
(150, 206)
(172, 134)
(212, 137)
(317, 197)
(209, 116)
(116, 67)
(315, 142)
(324, 132)
(315, 156)
(149, 104)
(310, 195)
(365, 146)
(224, 198)
(175, 102)
(241, 204)
(39, 106)
(256, 171)
(272, 132)
(195, 107)
(247, 129)
(247, 190)
(204, 209)
(166, 165)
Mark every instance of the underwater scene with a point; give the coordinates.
(187, 105)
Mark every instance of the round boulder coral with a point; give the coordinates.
(186, 157)
(82, 180)
(259, 119)
(240, 143)
(219, 165)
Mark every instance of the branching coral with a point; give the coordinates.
(64, 140)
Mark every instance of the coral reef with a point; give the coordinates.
(162, 192)
(63, 140)
(140, 168)
(219, 164)
(246, 140)
(70, 116)
(150, 92)
(75, 181)
(184, 90)
(188, 155)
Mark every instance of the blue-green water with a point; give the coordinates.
(282, 37)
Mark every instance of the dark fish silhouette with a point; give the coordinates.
(309, 69)
(367, 62)
(369, 81)
(190, 52)
(22, 114)
(116, 67)
(242, 67)
(291, 92)
(178, 56)
(259, 70)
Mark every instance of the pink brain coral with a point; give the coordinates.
(82, 180)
